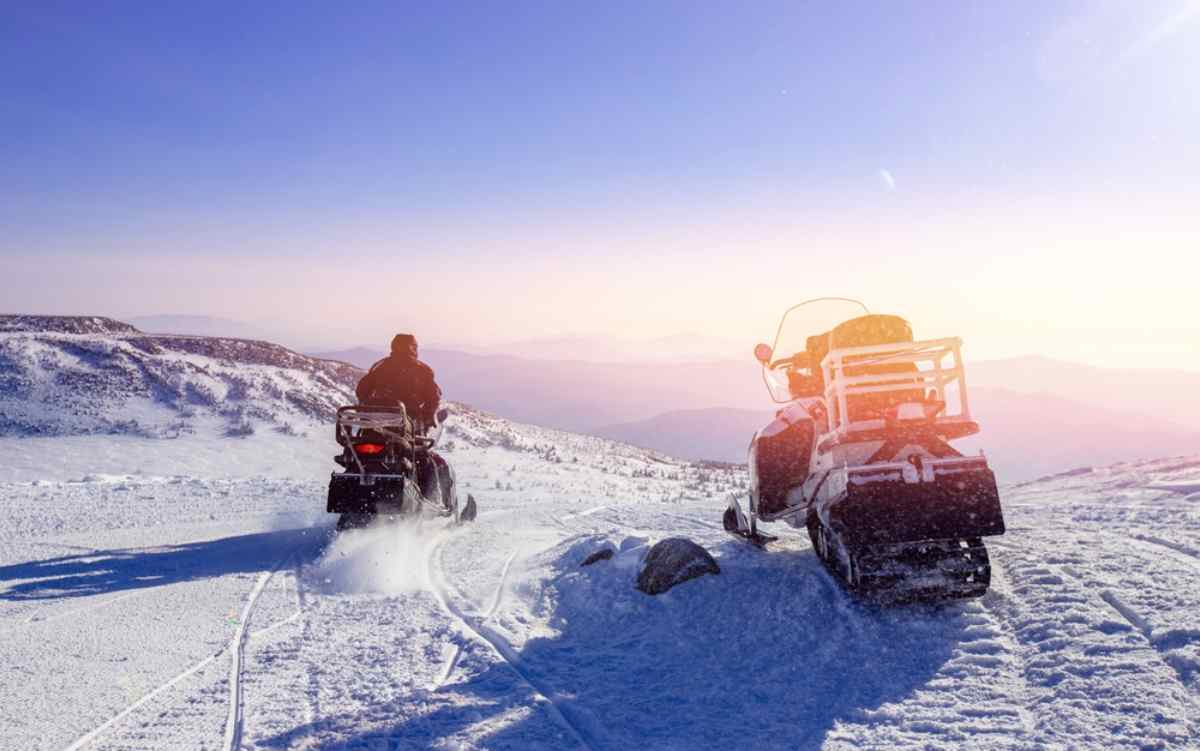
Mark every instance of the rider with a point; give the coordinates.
(401, 377)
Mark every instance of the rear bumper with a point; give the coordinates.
(349, 495)
(888, 509)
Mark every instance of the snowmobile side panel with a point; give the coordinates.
(779, 458)
(955, 506)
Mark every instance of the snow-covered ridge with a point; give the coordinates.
(244, 408)
(77, 376)
(64, 324)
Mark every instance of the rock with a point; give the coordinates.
(603, 554)
(673, 561)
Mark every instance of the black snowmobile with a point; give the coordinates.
(861, 455)
(391, 469)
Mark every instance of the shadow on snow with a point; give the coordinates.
(105, 571)
(772, 653)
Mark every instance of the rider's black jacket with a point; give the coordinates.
(401, 378)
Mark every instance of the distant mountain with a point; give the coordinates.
(1025, 435)
(1172, 396)
(577, 395)
(581, 395)
(1031, 435)
(196, 325)
(362, 357)
(676, 348)
(709, 410)
(718, 434)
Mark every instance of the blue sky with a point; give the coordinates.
(614, 149)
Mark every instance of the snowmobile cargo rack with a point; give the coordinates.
(391, 422)
(934, 381)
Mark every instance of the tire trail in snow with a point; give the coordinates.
(549, 698)
(587, 512)
(91, 736)
(998, 599)
(499, 596)
(496, 600)
(235, 722)
(312, 708)
(1048, 599)
(1176, 550)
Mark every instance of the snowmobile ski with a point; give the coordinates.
(737, 524)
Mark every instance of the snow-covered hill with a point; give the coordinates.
(183, 608)
(73, 376)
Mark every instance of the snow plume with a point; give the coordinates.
(387, 558)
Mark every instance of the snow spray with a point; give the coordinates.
(386, 558)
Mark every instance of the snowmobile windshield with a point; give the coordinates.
(789, 375)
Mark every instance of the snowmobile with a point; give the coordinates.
(391, 469)
(860, 455)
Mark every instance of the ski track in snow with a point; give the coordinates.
(234, 648)
(478, 626)
(234, 724)
(457, 651)
(490, 635)
(94, 734)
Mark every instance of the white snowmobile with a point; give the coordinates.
(391, 469)
(861, 455)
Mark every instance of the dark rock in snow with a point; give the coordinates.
(674, 561)
(603, 554)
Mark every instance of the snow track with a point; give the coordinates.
(234, 723)
(478, 626)
(94, 734)
(496, 599)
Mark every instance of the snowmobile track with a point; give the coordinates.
(478, 626)
(237, 647)
(238, 642)
(1161, 643)
(97, 732)
(496, 599)
(1176, 550)
(312, 709)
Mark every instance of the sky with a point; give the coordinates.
(1025, 175)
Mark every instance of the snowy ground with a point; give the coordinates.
(188, 610)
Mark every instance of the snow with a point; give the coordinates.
(184, 593)
(125, 599)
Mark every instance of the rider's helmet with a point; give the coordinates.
(404, 345)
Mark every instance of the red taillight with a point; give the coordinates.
(369, 449)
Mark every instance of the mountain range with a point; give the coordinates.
(1039, 415)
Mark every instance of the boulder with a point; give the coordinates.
(673, 561)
